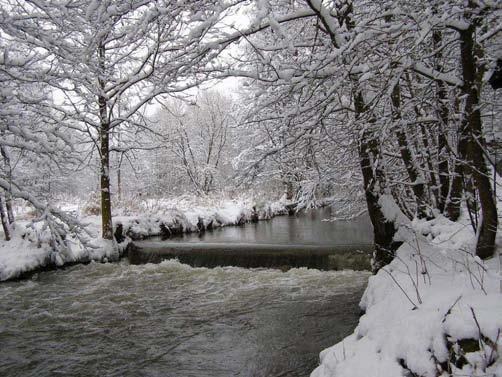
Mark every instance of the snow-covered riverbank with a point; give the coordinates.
(436, 310)
(29, 249)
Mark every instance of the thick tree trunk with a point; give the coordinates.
(104, 143)
(383, 230)
(487, 229)
(417, 182)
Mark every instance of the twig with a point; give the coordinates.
(401, 288)
(450, 308)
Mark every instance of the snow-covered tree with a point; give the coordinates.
(198, 134)
(97, 53)
(393, 76)
(32, 142)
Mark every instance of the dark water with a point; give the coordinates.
(170, 319)
(305, 228)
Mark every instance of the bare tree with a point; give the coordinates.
(198, 134)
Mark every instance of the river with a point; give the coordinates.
(170, 319)
(306, 228)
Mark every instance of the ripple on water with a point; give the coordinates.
(170, 319)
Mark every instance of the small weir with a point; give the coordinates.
(355, 257)
(302, 240)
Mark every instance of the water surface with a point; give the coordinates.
(305, 228)
(173, 320)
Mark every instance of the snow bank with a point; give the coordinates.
(30, 247)
(29, 250)
(182, 215)
(436, 310)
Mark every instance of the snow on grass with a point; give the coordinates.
(436, 310)
(30, 247)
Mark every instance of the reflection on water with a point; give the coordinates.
(173, 320)
(307, 228)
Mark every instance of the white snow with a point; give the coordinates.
(30, 247)
(418, 307)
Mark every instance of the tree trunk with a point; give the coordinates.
(288, 189)
(5, 221)
(415, 178)
(8, 206)
(119, 183)
(428, 144)
(119, 166)
(119, 177)
(443, 167)
(443, 117)
(433, 185)
(383, 230)
(104, 142)
(471, 201)
(487, 229)
(454, 199)
(8, 195)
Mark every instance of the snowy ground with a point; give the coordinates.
(434, 311)
(30, 248)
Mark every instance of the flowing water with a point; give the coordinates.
(170, 319)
